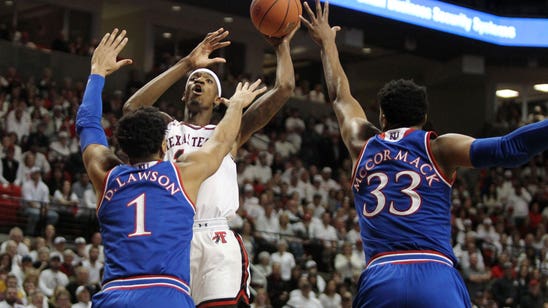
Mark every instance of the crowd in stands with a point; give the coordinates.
(296, 216)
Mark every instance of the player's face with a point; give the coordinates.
(201, 90)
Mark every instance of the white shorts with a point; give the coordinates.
(219, 265)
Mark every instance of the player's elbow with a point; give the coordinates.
(129, 106)
(285, 88)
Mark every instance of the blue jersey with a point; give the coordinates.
(403, 200)
(146, 223)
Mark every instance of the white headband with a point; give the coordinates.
(210, 72)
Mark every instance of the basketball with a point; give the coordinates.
(275, 18)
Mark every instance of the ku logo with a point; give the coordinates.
(219, 236)
(394, 135)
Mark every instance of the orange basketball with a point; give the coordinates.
(275, 17)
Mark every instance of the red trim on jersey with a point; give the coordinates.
(388, 253)
(355, 168)
(179, 176)
(100, 199)
(433, 159)
(242, 294)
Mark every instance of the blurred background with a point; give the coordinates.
(484, 63)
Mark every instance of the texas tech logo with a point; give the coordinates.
(220, 236)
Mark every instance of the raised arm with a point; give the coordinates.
(198, 57)
(355, 128)
(266, 106)
(511, 150)
(197, 166)
(97, 156)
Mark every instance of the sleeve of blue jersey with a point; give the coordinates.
(511, 150)
(88, 118)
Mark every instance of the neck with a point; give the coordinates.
(154, 157)
(198, 118)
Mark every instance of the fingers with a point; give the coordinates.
(260, 91)
(119, 39)
(239, 86)
(318, 9)
(309, 12)
(124, 63)
(104, 39)
(218, 60)
(112, 37)
(255, 85)
(325, 10)
(305, 22)
(336, 28)
(292, 33)
(220, 45)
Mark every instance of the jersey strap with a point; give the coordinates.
(147, 281)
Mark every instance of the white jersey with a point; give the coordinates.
(218, 194)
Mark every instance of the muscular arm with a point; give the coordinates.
(355, 128)
(97, 156)
(511, 150)
(266, 106)
(150, 92)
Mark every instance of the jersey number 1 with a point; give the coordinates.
(139, 203)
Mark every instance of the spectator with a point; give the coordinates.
(347, 263)
(16, 235)
(36, 194)
(84, 298)
(277, 287)
(10, 299)
(80, 186)
(330, 298)
(93, 265)
(10, 167)
(316, 94)
(285, 259)
(18, 120)
(261, 299)
(96, 241)
(62, 148)
(303, 296)
(52, 277)
(504, 290)
(261, 270)
(476, 279)
(533, 298)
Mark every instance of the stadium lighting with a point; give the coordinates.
(366, 50)
(228, 19)
(176, 8)
(166, 35)
(542, 87)
(507, 93)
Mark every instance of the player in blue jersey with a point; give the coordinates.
(402, 183)
(146, 207)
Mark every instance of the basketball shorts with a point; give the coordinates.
(144, 291)
(418, 279)
(219, 265)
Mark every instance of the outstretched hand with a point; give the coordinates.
(103, 61)
(318, 26)
(245, 94)
(199, 56)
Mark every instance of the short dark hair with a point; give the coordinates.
(141, 132)
(403, 103)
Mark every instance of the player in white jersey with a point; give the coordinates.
(219, 262)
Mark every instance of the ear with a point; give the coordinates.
(163, 148)
(218, 100)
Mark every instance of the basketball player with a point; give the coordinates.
(146, 208)
(402, 183)
(219, 262)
